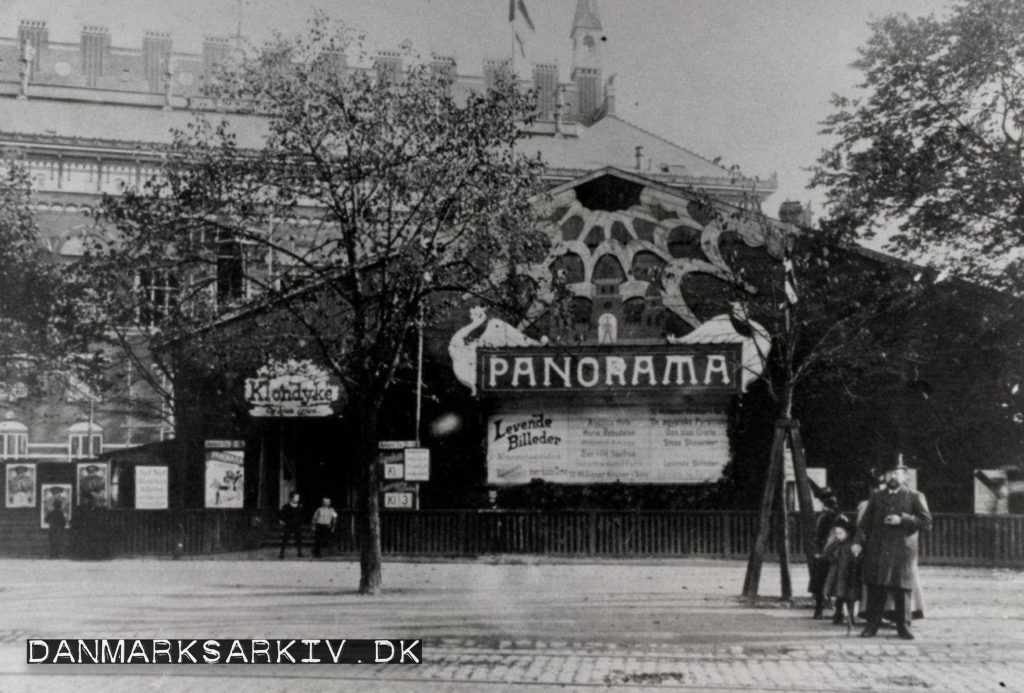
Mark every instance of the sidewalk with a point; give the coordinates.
(506, 624)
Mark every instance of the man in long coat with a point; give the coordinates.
(887, 534)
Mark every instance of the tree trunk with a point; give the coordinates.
(369, 503)
(752, 581)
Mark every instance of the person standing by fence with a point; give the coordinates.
(819, 566)
(324, 520)
(58, 522)
(291, 517)
(887, 534)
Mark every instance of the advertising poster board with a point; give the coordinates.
(93, 484)
(49, 495)
(151, 488)
(633, 445)
(21, 485)
(417, 464)
(225, 470)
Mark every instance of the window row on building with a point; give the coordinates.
(84, 440)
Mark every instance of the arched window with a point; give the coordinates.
(13, 439)
(85, 440)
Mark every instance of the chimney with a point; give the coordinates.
(36, 35)
(791, 212)
(156, 56)
(442, 65)
(492, 68)
(95, 53)
(389, 65)
(216, 50)
(545, 81)
(639, 157)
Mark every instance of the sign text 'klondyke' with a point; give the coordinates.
(698, 369)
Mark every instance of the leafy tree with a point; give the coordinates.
(372, 195)
(40, 328)
(934, 143)
(833, 316)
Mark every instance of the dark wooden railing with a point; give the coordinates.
(980, 540)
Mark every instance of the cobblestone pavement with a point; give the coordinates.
(502, 625)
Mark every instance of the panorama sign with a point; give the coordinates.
(291, 389)
(693, 369)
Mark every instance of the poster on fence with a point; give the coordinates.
(224, 478)
(51, 497)
(93, 482)
(151, 488)
(21, 486)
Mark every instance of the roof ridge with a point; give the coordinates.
(670, 142)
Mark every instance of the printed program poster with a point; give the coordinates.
(224, 478)
(93, 484)
(635, 445)
(21, 486)
(151, 488)
(50, 495)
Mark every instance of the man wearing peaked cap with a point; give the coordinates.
(887, 535)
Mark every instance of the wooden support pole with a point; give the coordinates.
(803, 491)
(752, 581)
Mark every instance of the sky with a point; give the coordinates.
(746, 80)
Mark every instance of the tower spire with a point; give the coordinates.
(586, 17)
(587, 39)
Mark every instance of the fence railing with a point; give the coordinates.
(954, 539)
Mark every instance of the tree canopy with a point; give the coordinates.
(373, 191)
(933, 145)
(40, 326)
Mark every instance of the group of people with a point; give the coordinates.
(292, 517)
(874, 561)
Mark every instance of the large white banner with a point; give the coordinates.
(636, 445)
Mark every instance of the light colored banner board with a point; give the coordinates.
(21, 485)
(991, 498)
(635, 445)
(417, 464)
(224, 478)
(151, 488)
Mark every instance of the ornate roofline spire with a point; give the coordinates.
(586, 17)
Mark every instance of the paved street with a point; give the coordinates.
(492, 625)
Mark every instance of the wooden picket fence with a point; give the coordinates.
(978, 540)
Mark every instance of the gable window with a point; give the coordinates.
(85, 440)
(13, 440)
(158, 295)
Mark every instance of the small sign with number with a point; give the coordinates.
(398, 501)
(394, 471)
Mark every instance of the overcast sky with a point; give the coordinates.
(747, 80)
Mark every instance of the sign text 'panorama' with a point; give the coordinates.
(698, 369)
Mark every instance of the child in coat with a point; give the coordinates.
(843, 581)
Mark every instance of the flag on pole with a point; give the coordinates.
(513, 5)
(790, 281)
(518, 7)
